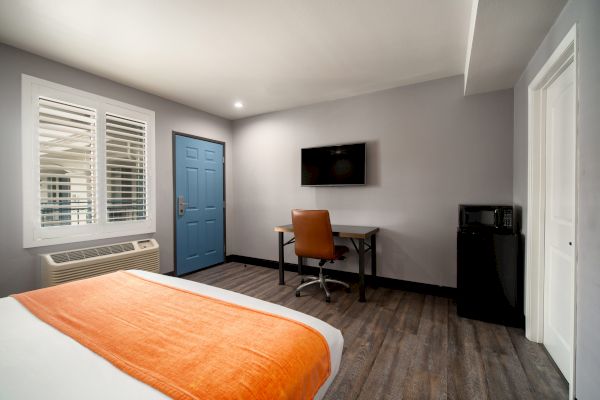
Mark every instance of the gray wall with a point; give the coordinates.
(586, 13)
(19, 268)
(429, 149)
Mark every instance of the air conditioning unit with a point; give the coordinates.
(72, 265)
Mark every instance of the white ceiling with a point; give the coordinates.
(503, 36)
(270, 54)
(273, 54)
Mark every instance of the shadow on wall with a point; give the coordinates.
(373, 164)
(518, 218)
(344, 202)
(408, 249)
(393, 258)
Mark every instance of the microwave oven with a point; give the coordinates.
(498, 218)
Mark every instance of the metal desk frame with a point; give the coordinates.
(354, 233)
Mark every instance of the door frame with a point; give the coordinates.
(564, 54)
(174, 177)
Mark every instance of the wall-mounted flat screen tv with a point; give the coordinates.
(339, 165)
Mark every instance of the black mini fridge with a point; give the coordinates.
(490, 274)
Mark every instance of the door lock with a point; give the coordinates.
(181, 205)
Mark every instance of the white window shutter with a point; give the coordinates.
(126, 169)
(67, 163)
(87, 166)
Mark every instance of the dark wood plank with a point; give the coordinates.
(403, 345)
(466, 371)
(546, 380)
(427, 375)
(504, 373)
(364, 326)
(389, 371)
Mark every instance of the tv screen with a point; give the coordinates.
(334, 165)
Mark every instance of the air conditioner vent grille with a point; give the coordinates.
(60, 258)
(104, 251)
(76, 255)
(72, 265)
(91, 253)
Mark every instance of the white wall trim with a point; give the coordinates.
(563, 55)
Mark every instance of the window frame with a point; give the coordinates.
(34, 235)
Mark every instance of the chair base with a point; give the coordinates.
(322, 281)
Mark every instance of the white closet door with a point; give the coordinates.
(560, 219)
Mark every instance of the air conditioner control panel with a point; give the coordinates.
(146, 244)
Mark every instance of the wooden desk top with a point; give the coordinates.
(347, 231)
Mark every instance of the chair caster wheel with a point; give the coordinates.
(297, 294)
(327, 299)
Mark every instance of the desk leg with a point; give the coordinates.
(300, 259)
(374, 258)
(281, 277)
(361, 270)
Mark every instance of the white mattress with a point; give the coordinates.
(37, 361)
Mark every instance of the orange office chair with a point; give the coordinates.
(314, 239)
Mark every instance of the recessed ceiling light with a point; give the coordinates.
(238, 104)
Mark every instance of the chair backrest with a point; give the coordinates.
(314, 238)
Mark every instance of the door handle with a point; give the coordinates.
(181, 205)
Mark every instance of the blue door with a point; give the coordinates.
(199, 205)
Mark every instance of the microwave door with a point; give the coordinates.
(481, 218)
(487, 218)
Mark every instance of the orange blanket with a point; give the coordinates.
(186, 345)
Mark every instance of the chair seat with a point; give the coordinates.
(340, 251)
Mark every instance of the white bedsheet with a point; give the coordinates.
(39, 362)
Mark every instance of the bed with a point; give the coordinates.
(38, 361)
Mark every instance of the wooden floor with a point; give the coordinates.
(404, 345)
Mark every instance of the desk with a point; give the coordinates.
(360, 233)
